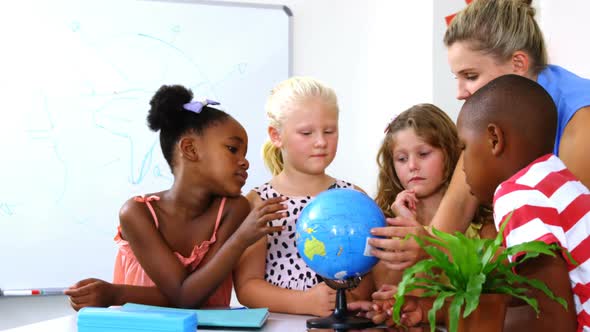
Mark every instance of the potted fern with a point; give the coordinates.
(461, 272)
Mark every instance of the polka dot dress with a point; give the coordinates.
(284, 266)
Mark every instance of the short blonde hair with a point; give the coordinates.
(287, 93)
(500, 28)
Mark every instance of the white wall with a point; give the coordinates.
(565, 28)
(444, 85)
(376, 54)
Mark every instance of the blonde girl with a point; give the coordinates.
(303, 139)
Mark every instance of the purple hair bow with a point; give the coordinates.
(197, 106)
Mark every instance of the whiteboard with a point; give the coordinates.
(75, 84)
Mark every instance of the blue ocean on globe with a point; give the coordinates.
(333, 232)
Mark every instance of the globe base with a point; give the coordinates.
(339, 323)
(341, 319)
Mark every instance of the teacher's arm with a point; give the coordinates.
(575, 145)
(458, 206)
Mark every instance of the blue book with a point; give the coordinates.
(242, 317)
(91, 319)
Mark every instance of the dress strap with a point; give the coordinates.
(217, 222)
(147, 200)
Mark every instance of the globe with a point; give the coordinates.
(333, 232)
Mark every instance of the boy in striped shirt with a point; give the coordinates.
(507, 129)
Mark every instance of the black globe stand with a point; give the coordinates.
(341, 319)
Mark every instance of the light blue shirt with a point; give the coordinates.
(569, 92)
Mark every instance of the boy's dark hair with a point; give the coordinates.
(168, 115)
(518, 103)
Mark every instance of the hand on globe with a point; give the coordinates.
(398, 252)
(256, 224)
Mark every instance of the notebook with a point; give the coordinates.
(241, 317)
(91, 319)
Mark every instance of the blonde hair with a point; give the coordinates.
(432, 125)
(500, 28)
(282, 97)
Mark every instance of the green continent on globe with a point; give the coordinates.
(314, 247)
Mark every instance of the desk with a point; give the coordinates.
(275, 323)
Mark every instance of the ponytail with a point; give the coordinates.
(273, 159)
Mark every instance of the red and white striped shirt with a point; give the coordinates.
(552, 206)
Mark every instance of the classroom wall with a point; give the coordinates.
(565, 29)
(376, 54)
(444, 87)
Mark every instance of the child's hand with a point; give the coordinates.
(381, 312)
(91, 293)
(371, 310)
(382, 304)
(398, 252)
(321, 299)
(362, 308)
(411, 313)
(405, 204)
(386, 292)
(368, 309)
(256, 224)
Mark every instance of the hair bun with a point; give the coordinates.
(527, 4)
(167, 105)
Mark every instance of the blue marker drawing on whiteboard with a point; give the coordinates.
(7, 209)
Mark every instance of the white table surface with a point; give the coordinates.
(275, 323)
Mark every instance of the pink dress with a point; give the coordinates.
(128, 270)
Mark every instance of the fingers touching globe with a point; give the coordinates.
(395, 248)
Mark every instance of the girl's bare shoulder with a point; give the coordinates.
(136, 207)
(236, 208)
